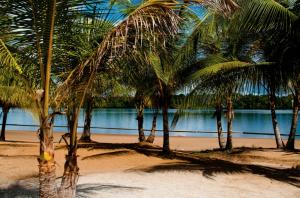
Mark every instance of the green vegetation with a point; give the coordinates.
(239, 102)
(72, 54)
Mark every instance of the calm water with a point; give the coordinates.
(197, 120)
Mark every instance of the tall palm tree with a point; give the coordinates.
(39, 31)
(271, 20)
(122, 37)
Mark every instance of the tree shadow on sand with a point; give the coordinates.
(88, 190)
(18, 190)
(83, 190)
(209, 167)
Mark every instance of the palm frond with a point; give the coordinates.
(213, 69)
(257, 16)
(7, 59)
(152, 22)
(226, 7)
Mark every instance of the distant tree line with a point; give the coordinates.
(240, 102)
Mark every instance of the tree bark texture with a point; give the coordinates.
(166, 138)
(291, 141)
(229, 123)
(218, 115)
(5, 110)
(279, 142)
(140, 119)
(151, 136)
(86, 134)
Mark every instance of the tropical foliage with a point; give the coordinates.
(57, 56)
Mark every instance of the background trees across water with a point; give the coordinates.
(65, 55)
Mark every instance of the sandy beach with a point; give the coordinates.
(116, 166)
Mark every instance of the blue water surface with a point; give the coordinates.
(198, 121)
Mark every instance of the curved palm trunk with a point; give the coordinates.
(219, 125)
(279, 142)
(86, 134)
(71, 170)
(229, 123)
(291, 141)
(140, 119)
(5, 110)
(151, 136)
(166, 139)
(70, 176)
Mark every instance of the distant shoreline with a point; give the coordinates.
(176, 142)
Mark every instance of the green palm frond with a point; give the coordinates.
(7, 59)
(213, 69)
(151, 22)
(16, 97)
(256, 15)
(157, 65)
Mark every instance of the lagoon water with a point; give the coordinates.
(257, 121)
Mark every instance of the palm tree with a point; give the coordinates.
(148, 15)
(104, 87)
(272, 19)
(39, 31)
(48, 8)
(11, 95)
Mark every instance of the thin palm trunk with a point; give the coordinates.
(279, 142)
(86, 134)
(151, 136)
(291, 141)
(229, 123)
(71, 170)
(5, 110)
(46, 160)
(219, 125)
(140, 119)
(166, 139)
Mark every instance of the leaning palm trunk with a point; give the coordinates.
(229, 123)
(71, 170)
(86, 134)
(140, 119)
(219, 125)
(70, 176)
(279, 142)
(290, 145)
(151, 136)
(5, 110)
(166, 141)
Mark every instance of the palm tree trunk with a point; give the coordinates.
(70, 176)
(71, 170)
(291, 141)
(229, 123)
(151, 136)
(86, 134)
(279, 142)
(140, 119)
(46, 160)
(166, 141)
(219, 125)
(47, 166)
(5, 110)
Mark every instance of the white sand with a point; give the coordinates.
(165, 184)
(181, 184)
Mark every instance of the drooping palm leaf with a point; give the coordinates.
(7, 59)
(151, 22)
(257, 16)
